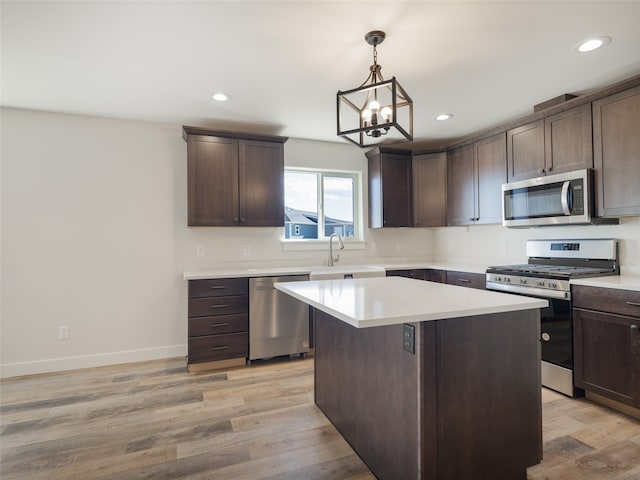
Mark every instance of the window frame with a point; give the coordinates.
(321, 174)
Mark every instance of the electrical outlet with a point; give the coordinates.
(246, 250)
(64, 332)
(409, 338)
(200, 250)
(398, 247)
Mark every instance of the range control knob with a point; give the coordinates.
(523, 280)
(540, 283)
(553, 285)
(498, 278)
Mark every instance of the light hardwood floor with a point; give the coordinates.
(154, 420)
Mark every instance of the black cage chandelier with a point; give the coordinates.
(376, 111)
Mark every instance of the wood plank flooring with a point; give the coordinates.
(154, 420)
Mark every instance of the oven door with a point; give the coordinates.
(556, 336)
(556, 345)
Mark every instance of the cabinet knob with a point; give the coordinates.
(541, 170)
(549, 169)
(235, 219)
(634, 328)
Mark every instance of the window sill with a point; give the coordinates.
(320, 245)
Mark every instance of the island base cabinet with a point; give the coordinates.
(465, 406)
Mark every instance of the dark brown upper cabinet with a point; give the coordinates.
(234, 179)
(461, 186)
(390, 192)
(616, 147)
(429, 171)
(561, 142)
(475, 174)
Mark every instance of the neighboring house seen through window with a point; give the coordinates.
(319, 203)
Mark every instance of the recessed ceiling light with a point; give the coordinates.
(443, 116)
(593, 43)
(221, 97)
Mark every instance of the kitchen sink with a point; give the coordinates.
(346, 271)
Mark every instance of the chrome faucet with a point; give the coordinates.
(331, 259)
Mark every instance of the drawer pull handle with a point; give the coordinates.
(218, 287)
(463, 280)
(219, 306)
(634, 328)
(219, 348)
(219, 325)
(634, 304)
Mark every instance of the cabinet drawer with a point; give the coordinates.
(218, 287)
(218, 347)
(205, 307)
(611, 300)
(219, 324)
(415, 274)
(466, 279)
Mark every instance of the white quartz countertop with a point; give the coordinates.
(622, 282)
(227, 272)
(379, 301)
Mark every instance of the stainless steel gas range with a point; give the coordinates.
(551, 265)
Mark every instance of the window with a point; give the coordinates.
(319, 203)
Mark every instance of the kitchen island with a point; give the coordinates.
(427, 380)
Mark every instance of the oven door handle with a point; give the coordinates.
(565, 198)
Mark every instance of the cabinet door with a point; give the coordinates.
(616, 151)
(390, 190)
(396, 190)
(525, 151)
(429, 189)
(212, 171)
(460, 186)
(607, 355)
(261, 179)
(491, 171)
(432, 275)
(568, 140)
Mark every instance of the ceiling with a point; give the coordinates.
(283, 62)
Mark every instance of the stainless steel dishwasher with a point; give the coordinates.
(278, 323)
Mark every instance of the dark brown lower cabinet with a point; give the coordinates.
(607, 342)
(466, 279)
(465, 406)
(218, 321)
(428, 274)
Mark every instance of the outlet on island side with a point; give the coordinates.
(409, 338)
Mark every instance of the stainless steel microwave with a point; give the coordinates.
(561, 199)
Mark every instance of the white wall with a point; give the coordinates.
(497, 245)
(94, 236)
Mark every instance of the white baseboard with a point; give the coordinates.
(89, 361)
